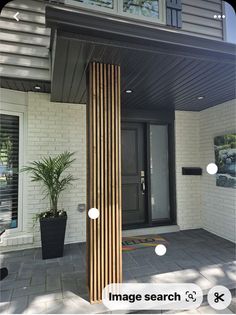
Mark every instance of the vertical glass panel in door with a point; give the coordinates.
(159, 172)
(141, 8)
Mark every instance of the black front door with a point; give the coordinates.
(133, 174)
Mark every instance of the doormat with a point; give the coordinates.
(136, 242)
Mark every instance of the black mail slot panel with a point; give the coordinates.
(191, 171)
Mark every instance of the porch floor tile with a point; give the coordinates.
(59, 285)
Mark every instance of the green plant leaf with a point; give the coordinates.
(50, 172)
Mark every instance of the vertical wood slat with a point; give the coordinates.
(109, 175)
(94, 175)
(104, 249)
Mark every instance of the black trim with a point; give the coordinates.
(148, 176)
(148, 116)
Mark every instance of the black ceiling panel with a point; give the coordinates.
(25, 85)
(157, 80)
(164, 70)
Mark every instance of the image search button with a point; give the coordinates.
(150, 296)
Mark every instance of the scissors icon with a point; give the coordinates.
(218, 297)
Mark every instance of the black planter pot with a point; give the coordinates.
(53, 236)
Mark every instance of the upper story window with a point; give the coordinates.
(141, 8)
(9, 170)
(95, 3)
(149, 11)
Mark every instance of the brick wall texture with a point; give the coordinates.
(51, 128)
(200, 203)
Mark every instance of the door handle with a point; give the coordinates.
(143, 186)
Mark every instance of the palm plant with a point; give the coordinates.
(49, 172)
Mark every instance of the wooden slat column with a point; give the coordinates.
(104, 252)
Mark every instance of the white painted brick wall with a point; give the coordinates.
(200, 203)
(188, 191)
(218, 203)
(51, 129)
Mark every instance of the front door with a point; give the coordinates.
(133, 174)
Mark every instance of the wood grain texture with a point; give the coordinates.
(104, 251)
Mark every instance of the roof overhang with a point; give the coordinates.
(164, 68)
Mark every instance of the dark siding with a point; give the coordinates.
(198, 18)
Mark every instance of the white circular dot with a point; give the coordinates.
(212, 168)
(93, 213)
(160, 250)
(215, 16)
(223, 16)
(219, 16)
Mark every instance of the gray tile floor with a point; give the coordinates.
(59, 285)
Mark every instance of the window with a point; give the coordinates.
(149, 11)
(159, 170)
(144, 9)
(98, 3)
(9, 170)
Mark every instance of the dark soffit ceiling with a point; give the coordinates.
(25, 85)
(162, 75)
